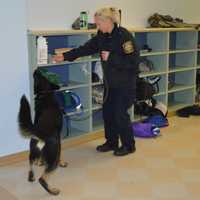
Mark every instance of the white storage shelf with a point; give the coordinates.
(174, 53)
(79, 60)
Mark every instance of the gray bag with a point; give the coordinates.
(166, 21)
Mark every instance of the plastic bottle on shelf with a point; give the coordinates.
(42, 50)
(84, 20)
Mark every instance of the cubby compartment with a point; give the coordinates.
(155, 41)
(181, 61)
(97, 120)
(79, 73)
(97, 96)
(65, 41)
(71, 75)
(74, 101)
(60, 43)
(77, 121)
(180, 99)
(55, 42)
(156, 64)
(181, 80)
(83, 93)
(182, 40)
(76, 124)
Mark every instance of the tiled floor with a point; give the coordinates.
(166, 168)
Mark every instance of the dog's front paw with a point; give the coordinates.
(54, 191)
(44, 184)
(31, 177)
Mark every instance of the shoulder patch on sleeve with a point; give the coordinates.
(128, 47)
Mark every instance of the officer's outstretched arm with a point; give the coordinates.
(89, 48)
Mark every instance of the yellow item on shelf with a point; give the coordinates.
(62, 50)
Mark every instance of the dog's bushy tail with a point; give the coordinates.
(26, 126)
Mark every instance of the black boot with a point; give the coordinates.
(106, 147)
(123, 150)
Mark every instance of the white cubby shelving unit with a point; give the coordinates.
(175, 55)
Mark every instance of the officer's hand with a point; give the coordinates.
(57, 58)
(105, 55)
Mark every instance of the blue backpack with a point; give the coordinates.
(158, 120)
(69, 101)
(145, 130)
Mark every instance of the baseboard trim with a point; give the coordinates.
(67, 143)
(13, 158)
(71, 142)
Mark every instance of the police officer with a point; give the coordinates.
(119, 58)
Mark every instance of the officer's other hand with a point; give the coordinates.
(57, 58)
(105, 55)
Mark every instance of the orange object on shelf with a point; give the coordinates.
(62, 50)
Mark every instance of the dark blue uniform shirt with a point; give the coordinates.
(121, 68)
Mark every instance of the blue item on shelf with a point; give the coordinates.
(158, 120)
(69, 101)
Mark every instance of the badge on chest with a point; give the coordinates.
(128, 47)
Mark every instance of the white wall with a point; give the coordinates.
(59, 14)
(14, 73)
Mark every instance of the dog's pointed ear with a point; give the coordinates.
(36, 72)
(38, 85)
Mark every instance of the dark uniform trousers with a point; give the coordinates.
(116, 117)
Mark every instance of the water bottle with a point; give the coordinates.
(42, 50)
(83, 20)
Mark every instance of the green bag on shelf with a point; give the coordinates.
(52, 77)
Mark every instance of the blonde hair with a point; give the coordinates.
(109, 13)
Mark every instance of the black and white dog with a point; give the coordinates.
(44, 133)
